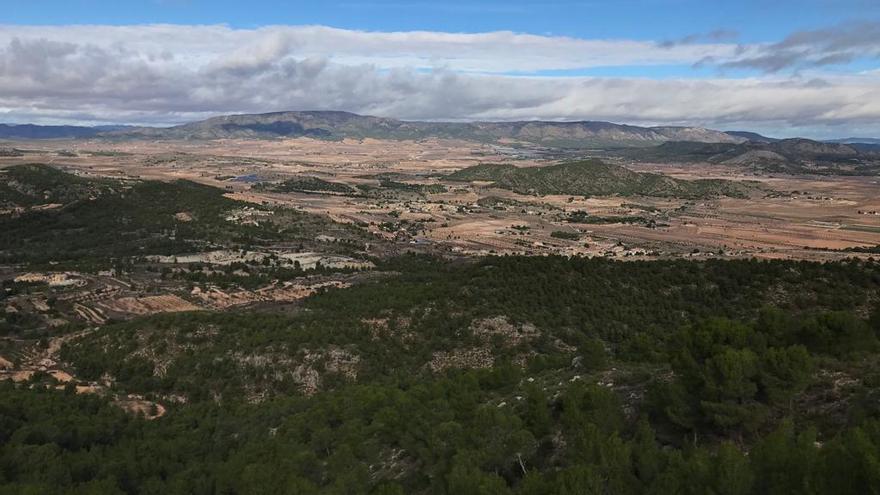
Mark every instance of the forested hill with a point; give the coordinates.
(49, 216)
(783, 155)
(595, 178)
(508, 375)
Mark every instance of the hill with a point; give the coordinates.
(49, 216)
(307, 184)
(794, 155)
(29, 185)
(752, 136)
(509, 375)
(595, 178)
(340, 125)
(697, 134)
(855, 140)
(31, 131)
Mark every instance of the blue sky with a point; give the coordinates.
(632, 19)
(784, 66)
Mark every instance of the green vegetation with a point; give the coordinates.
(102, 220)
(794, 156)
(392, 189)
(595, 178)
(580, 216)
(35, 184)
(637, 206)
(431, 438)
(137, 220)
(11, 152)
(414, 188)
(862, 228)
(308, 184)
(108, 153)
(500, 203)
(635, 308)
(680, 151)
(501, 375)
(862, 249)
(642, 377)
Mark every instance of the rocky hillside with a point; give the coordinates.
(697, 134)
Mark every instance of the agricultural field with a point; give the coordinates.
(431, 193)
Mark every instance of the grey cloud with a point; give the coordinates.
(818, 83)
(771, 62)
(715, 36)
(834, 59)
(252, 49)
(816, 48)
(42, 79)
(852, 35)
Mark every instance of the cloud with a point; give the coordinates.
(491, 52)
(167, 74)
(715, 36)
(837, 45)
(467, 7)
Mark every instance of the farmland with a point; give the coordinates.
(770, 216)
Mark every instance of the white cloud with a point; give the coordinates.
(166, 74)
(494, 52)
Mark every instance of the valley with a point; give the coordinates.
(769, 215)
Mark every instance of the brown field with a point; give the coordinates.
(805, 217)
(137, 406)
(167, 303)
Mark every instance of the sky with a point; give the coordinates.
(784, 68)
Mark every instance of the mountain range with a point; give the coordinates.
(32, 131)
(337, 125)
(341, 125)
(661, 144)
(855, 140)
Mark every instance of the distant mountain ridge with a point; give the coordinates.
(341, 125)
(665, 143)
(752, 136)
(855, 140)
(33, 131)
